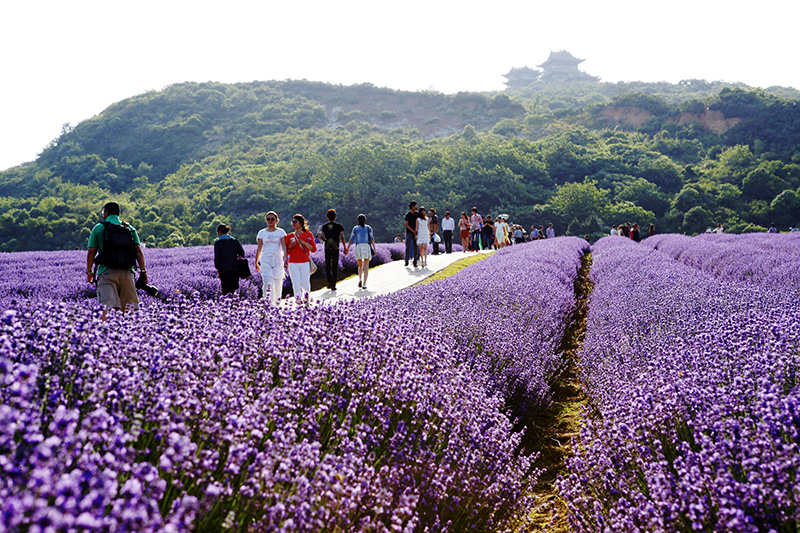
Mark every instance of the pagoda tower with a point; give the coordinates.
(562, 67)
(519, 78)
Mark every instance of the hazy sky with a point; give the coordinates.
(66, 61)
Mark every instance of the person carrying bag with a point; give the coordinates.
(228, 259)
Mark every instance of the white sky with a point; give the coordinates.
(66, 61)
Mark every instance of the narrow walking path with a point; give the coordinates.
(390, 277)
(552, 432)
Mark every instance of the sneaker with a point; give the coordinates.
(333, 288)
(415, 264)
(359, 284)
(406, 263)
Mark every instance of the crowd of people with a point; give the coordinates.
(278, 251)
(632, 232)
(477, 232)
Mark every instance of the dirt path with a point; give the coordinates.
(550, 434)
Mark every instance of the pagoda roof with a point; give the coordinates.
(522, 71)
(561, 57)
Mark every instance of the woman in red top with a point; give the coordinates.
(300, 243)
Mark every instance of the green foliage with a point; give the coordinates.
(785, 209)
(579, 207)
(649, 102)
(644, 194)
(185, 158)
(697, 220)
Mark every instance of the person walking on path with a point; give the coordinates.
(475, 226)
(499, 233)
(270, 258)
(448, 225)
(423, 237)
(332, 233)
(363, 238)
(551, 233)
(463, 231)
(117, 249)
(411, 233)
(488, 233)
(300, 243)
(433, 227)
(227, 252)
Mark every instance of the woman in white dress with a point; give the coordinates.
(269, 257)
(423, 236)
(500, 233)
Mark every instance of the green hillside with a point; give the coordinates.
(583, 156)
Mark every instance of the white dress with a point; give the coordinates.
(272, 270)
(423, 236)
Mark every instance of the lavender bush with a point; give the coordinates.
(230, 414)
(511, 309)
(695, 382)
(761, 258)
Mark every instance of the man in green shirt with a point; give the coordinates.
(119, 253)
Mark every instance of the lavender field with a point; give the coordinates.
(207, 414)
(693, 374)
(407, 412)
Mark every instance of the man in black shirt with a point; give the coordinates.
(332, 233)
(412, 250)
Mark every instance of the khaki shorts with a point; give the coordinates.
(117, 288)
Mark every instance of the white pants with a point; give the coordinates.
(272, 277)
(301, 278)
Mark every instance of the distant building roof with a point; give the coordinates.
(563, 66)
(521, 77)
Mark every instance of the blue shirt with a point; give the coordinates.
(361, 235)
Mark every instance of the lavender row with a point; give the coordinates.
(695, 380)
(206, 415)
(201, 414)
(60, 276)
(509, 312)
(762, 258)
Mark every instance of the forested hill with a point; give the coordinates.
(583, 156)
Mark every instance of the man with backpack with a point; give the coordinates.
(116, 247)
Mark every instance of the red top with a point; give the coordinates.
(299, 253)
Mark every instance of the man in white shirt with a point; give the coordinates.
(613, 231)
(448, 225)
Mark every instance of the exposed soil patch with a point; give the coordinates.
(551, 433)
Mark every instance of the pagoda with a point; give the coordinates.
(519, 78)
(562, 67)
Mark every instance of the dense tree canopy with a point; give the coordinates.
(183, 159)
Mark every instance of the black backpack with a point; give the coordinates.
(119, 246)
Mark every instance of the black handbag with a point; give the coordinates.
(244, 267)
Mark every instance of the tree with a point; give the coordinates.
(760, 184)
(696, 220)
(732, 165)
(643, 193)
(785, 209)
(582, 206)
(622, 212)
(689, 197)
